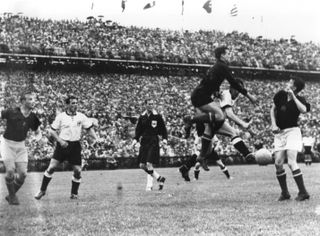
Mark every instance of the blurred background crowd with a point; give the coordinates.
(116, 100)
(105, 39)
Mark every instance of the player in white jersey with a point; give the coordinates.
(226, 101)
(69, 124)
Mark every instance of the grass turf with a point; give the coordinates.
(246, 205)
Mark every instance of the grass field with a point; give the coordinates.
(213, 205)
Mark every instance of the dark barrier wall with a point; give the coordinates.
(98, 65)
(132, 162)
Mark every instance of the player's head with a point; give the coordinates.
(296, 84)
(27, 99)
(219, 52)
(235, 93)
(72, 103)
(149, 103)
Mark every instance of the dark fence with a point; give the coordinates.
(100, 65)
(132, 162)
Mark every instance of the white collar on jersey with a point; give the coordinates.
(71, 114)
(154, 112)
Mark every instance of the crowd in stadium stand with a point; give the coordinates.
(116, 100)
(105, 39)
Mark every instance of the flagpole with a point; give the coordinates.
(182, 15)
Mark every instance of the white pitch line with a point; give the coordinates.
(35, 186)
(317, 211)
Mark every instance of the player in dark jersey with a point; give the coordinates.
(226, 101)
(150, 125)
(13, 150)
(209, 112)
(284, 114)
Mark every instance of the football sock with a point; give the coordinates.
(45, 181)
(191, 162)
(205, 144)
(297, 175)
(10, 186)
(18, 182)
(75, 185)
(282, 178)
(156, 175)
(153, 173)
(149, 181)
(196, 173)
(240, 146)
(225, 171)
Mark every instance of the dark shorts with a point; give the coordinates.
(200, 128)
(149, 150)
(307, 149)
(198, 99)
(214, 156)
(72, 153)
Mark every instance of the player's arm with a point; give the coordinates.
(139, 130)
(230, 114)
(274, 126)
(163, 129)
(301, 103)
(92, 134)
(53, 132)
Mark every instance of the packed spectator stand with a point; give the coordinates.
(105, 39)
(115, 99)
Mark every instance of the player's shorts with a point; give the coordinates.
(72, 153)
(12, 152)
(198, 99)
(288, 139)
(149, 150)
(307, 150)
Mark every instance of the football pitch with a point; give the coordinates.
(213, 205)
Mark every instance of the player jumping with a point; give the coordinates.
(209, 112)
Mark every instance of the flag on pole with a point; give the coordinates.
(208, 6)
(234, 10)
(182, 7)
(149, 5)
(123, 5)
(92, 5)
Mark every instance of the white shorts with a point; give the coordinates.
(288, 139)
(12, 152)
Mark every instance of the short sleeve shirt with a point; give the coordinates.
(18, 125)
(70, 126)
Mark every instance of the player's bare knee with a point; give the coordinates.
(149, 166)
(142, 166)
(22, 176)
(77, 175)
(9, 176)
(293, 165)
(50, 170)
